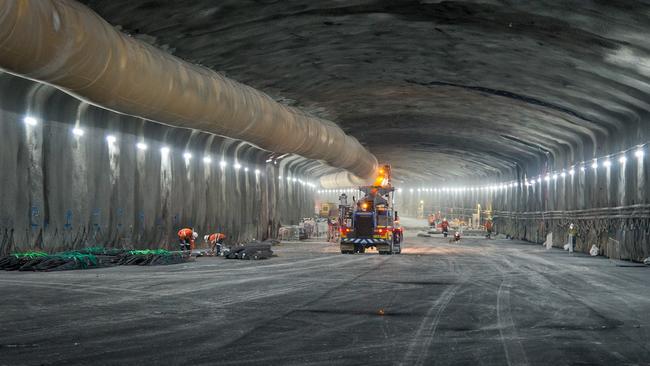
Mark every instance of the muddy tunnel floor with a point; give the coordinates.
(496, 302)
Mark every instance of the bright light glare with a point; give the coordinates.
(111, 139)
(607, 163)
(164, 150)
(246, 169)
(77, 131)
(223, 163)
(622, 159)
(207, 159)
(294, 179)
(639, 153)
(237, 166)
(141, 146)
(257, 171)
(280, 177)
(572, 171)
(187, 156)
(594, 165)
(547, 178)
(30, 121)
(582, 168)
(554, 176)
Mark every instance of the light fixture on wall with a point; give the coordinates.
(594, 165)
(187, 156)
(246, 170)
(77, 131)
(141, 146)
(111, 139)
(607, 163)
(31, 121)
(237, 166)
(639, 153)
(164, 150)
(207, 159)
(622, 159)
(223, 164)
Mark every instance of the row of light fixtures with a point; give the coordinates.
(111, 140)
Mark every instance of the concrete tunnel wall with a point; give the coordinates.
(60, 191)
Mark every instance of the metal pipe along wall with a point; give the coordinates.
(63, 43)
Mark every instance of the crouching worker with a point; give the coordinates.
(215, 240)
(186, 238)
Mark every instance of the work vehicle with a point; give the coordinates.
(371, 222)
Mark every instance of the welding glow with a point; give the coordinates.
(30, 121)
(77, 131)
(141, 146)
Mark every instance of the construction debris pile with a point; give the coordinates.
(94, 257)
(253, 250)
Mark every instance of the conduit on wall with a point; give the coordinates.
(63, 43)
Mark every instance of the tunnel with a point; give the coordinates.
(361, 182)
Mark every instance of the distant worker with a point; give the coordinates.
(215, 240)
(488, 228)
(573, 232)
(186, 238)
(445, 227)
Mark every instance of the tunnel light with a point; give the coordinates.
(563, 175)
(292, 179)
(622, 159)
(582, 168)
(607, 163)
(111, 139)
(411, 190)
(77, 132)
(207, 159)
(141, 146)
(594, 165)
(257, 171)
(532, 181)
(639, 153)
(237, 166)
(572, 171)
(554, 176)
(223, 164)
(547, 178)
(246, 170)
(164, 150)
(280, 177)
(31, 121)
(187, 156)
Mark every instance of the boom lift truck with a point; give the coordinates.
(371, 221)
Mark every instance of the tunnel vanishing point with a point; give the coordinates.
(418, 182)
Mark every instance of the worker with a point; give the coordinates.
(186, 238)
(573, 232)
(445, 227)
(488, 228)
(215, 240)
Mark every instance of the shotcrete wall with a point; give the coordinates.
(61, 191)
(609, 205)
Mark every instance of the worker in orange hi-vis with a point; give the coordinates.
(215, 240)
(186, 238)
(488, 228)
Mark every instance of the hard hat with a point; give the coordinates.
(206, 237)
(195, 235)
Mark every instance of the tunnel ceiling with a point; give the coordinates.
(442, 90)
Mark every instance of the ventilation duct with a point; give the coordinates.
(63, 43)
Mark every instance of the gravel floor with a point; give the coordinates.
(489, 302)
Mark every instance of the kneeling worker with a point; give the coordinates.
(186, 238)
(215, 241)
